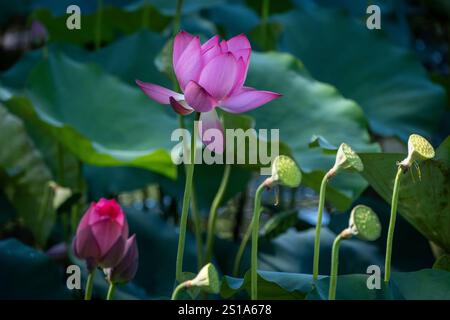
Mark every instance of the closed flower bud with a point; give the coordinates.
(419, 149)
(346, 159)
(101, 235)
(128, 265)
(207, 279)
(285, 172)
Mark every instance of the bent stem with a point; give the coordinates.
(213, 213)
(323, 187)
(255, 234)
(177, 290)
(89, 285)
(390, 236)
(334, 266)
(185, 209)
(240, 253)
(111, 290)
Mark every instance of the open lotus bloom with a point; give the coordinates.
(210, 75)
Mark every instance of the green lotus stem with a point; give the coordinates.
(213, 213)
(243, 245)
(177, 19)
(98, 25)
(189, 169)
(334, 267)
(390, 236)
(255, 235)
(323, 187)
(196, 221)
(111, 290)
(194, 209)
(178, 289)
(89, 285)
(185, 209)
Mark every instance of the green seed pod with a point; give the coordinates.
(346, 158)
(419, 149)
(285, 172)
(364, 223)
(207, 279)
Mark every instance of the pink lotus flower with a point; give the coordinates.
(126, 269)
(210, 75)
(101, 235)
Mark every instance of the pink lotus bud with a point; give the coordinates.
(128, 265)
(101, 235)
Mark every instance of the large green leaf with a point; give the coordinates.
(387, 81)
(271, 285)
(309, 108)
(29, 274)
(423, 200)
(114, 21)
(293, 252)
(426, 284)
(167, 7)
(349, 287)
(24, 175)
(97, 117)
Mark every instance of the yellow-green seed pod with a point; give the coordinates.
(285, 172)
(419, 149)
(364, 223)
(347, 159)
(207, 279)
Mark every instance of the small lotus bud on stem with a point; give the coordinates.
(419, 149)
(346, 159)
(206, 280)
(285, 172)
(363, 223)
(101, 238)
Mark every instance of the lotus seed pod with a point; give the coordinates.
(419, 149)
(207, 279)
(285, 172)
(346, 158)
(364, 223)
